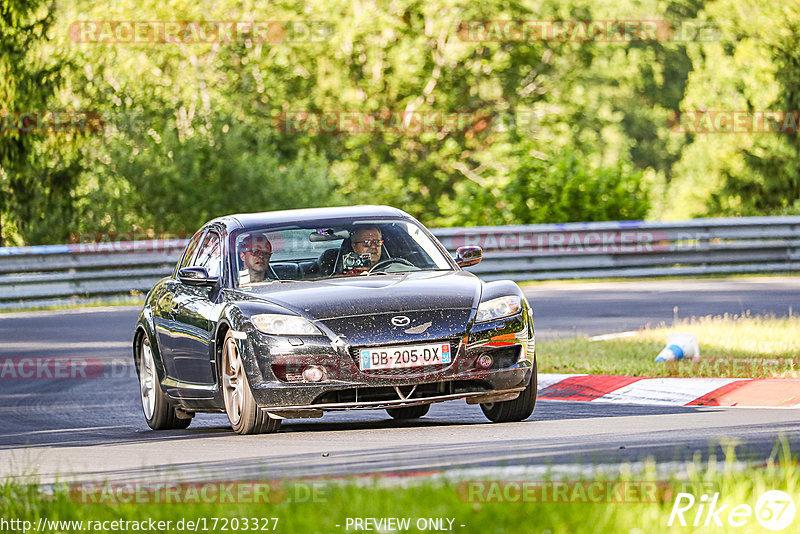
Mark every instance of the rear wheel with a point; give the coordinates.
(243, 412)
(518, 409)
(409, 412)
(160, 414)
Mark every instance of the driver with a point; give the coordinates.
(366, 240)
(255, 252)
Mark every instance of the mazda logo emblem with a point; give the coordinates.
(401, 320)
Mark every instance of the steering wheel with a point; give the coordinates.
(390, 261)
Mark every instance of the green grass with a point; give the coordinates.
(480, 511)
(730, 346)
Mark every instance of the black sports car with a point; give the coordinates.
(288, 314)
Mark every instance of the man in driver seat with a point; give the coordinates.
(255, 252)
(366, 240)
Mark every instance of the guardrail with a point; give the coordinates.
(41, 275)
(633, 248)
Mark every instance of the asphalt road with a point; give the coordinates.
(92, 429)
(564, 309)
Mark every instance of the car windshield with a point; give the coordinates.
(313, 252)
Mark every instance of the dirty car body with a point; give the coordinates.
(326, 328)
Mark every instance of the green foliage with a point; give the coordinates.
(753, 67)
(568, 189)
(36, 175)
(773, 183)
(563, 188)
(176, 185)
(192, 131)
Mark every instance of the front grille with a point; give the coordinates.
(410, 371)
(373, 394)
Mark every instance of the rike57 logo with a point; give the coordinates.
(774, 510)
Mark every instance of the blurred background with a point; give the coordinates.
(565, 128)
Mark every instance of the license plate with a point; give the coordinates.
(405, 356)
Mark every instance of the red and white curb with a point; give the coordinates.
(745, 392)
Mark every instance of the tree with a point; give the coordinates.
(35, 180)
(773, 185)
(753, 67)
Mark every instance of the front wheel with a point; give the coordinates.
(243, 412)
(518, 409)
(160, 414)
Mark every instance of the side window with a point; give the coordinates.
(210, 254)
(191, 249)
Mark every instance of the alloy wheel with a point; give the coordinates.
(147, 381)
(233, 382)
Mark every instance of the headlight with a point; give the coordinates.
(497, 308)
(278, 324)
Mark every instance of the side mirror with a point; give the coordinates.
(469, 255)
(196, 276)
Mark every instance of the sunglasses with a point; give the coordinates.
(368, 243)
(258, 252)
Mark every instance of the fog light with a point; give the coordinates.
(484, 361)
(313, 373)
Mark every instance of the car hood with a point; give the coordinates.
(375, 294)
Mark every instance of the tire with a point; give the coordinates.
(409, 412)
(518, 409)
(158, 412)
(243, 412)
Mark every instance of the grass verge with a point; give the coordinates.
(730, 346)
(630, 503)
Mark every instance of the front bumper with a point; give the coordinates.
(316, 410)
(274, 367)
(492, 386)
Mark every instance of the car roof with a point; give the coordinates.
(253, 220)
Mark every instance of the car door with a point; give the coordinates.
(168, 329)
(194, 310)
